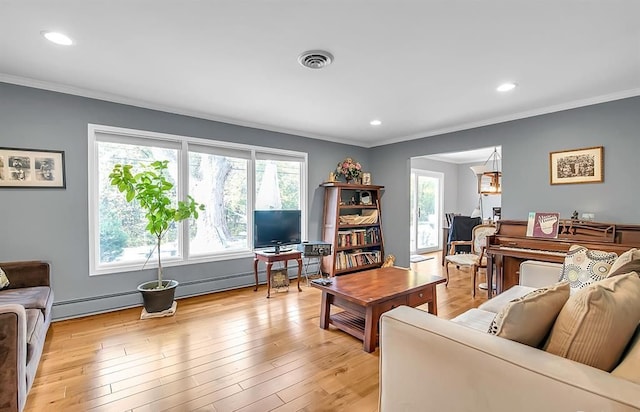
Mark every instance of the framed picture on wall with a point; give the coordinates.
(577, 166)
(29, 168)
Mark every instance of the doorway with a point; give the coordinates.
(458, 193)
(425, 201)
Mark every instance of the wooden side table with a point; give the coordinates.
(269, 258)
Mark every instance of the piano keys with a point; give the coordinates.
(510, 246)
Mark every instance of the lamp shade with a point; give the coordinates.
(478, 170)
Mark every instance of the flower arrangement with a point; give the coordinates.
(349, 168)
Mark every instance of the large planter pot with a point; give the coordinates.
(157, 300)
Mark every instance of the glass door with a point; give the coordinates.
(426, 210)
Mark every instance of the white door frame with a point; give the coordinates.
(414, 210)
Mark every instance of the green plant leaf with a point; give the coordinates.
(153, 192)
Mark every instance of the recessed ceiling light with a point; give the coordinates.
(375, 122)
(505, 87)
(57, 38)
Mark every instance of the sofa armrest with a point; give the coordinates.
(27, 274)
(13, 362)
(429, 363)
(538, 274)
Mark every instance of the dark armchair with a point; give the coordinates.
(461, 229)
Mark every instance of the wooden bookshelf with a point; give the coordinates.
(352, 227)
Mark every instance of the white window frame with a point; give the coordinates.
(124, 135)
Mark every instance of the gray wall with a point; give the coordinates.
(467, 189)
(526, 145)
(52, 224)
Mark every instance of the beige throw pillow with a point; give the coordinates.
(633, 266)
(583, 266)
(4, 280)
(528, 319)
(629, 367)
(623, 260)
(596, 323)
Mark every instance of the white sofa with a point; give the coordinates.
(432, 364)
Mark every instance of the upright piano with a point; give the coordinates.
(510, 246)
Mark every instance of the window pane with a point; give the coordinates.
(216, 175)
(278, 184)
(219, 182)
(123, 237)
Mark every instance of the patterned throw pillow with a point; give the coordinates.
(4, 280)
(583, 266)
(529, 319)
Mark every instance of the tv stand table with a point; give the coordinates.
(269, 258)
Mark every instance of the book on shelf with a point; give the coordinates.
(347, 260)
(358, 237)
(372, 235)
(344, 238)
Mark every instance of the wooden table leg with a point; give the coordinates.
(325, 310)
(433, 305)
(370, 329)
(299, 272)
(269, 264)
(255, 272)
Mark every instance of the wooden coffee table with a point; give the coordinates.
(366, 295)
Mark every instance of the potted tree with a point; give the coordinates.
(151, 189)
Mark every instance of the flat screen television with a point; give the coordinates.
(276, 228)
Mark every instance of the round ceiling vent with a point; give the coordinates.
(315, 59)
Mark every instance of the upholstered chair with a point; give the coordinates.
(476, 259)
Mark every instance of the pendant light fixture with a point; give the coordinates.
(494, 175)
(489, 175)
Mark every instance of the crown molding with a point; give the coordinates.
(113, 98)
(93, 94)
(517, 116)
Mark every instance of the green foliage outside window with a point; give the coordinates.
(220, 182)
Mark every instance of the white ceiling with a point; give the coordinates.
(423, 67)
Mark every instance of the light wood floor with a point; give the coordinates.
(226, 351)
